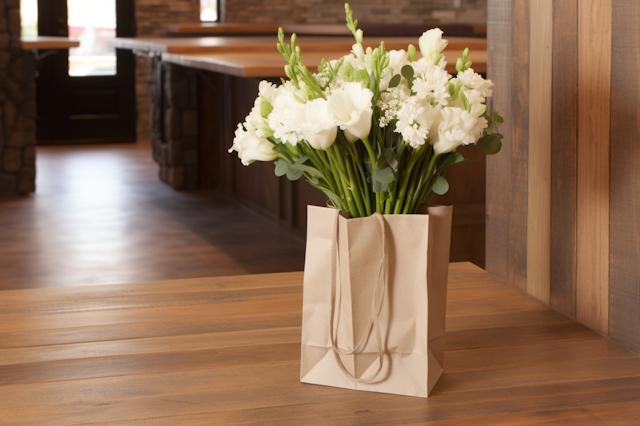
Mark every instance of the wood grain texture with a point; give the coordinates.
(624, 282)
(594, 80)
(539, 166)
(498, 192)
(47, 42)
(563, 161)
(519, 173)
(509, 360)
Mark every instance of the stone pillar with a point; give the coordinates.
(174, 123)
(17, 106)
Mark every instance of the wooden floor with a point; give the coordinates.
(100, 216)
(226, 351)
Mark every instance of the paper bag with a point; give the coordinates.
(375, 291)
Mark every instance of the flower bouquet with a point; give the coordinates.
(375, 131)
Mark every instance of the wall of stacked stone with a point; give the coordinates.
(17, 106)
(152, 17)
(473, 12)
(174, 130)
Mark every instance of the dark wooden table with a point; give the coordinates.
(216, 351)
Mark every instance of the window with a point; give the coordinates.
(209, 10)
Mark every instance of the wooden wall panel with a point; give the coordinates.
(564, 136)
(519, 144)
(539, 165)
(498, 166)
(624, 283)
(594, 78)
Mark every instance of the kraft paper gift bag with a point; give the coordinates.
(375, 292)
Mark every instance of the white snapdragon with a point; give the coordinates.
(457, 128)
(319, 128)
(431, 84)
(351, 109)
(414, 122)
(251, 147)
(431, 45)
(471, 80)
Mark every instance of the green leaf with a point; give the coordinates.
(390, 155)
(363, 76)
(395, 80)
(282, 167)
(407, 72)
(311, 170)
(294, 174)
(265, 107)
(497, 118)
(441, 186)
(490, 144)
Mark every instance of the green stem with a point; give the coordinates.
(412, 187)
(355, 188)
(429, 181)
(353, 209)
(405, 180)
(362, 181)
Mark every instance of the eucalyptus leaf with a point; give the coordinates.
(490, 144)
(395, 80)
(311, 170)
(294, 174)
(282, 167)
(407, 72)
(392, 160)
(441, 186)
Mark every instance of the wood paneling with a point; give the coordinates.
(519, 144)
(624, 283)
(594, 79)
(499, 166)
(539, 166)
(563, 160)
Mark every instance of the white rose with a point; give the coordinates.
(319, 128)
(470, 80)
(351, 109)
(431, 45)
(251, 147)
(458, 127)
(414, 122)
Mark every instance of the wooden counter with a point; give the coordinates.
(46, 42)
(272, 64)
(226, 351)
(268, 43)
(221, 28)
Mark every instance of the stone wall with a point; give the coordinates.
(473, 12)
(152, 16)
(17, 106)
(174, 131)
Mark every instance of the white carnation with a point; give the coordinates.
(432, 85)
(471, 80)
(285, 119)
(458, 127)
(414, 122)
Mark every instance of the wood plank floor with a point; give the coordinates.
(100, 216)
(226, 350)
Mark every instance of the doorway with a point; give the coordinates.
(86, 94)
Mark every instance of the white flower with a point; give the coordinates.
(458, 127)
(266, 89)
(256, 121)
(285, 119)
(397, 60)
(475, 101)
(432, 84)
(251, 147)
(319, 128)
(414, 122)
(391, 101)
(351, 109)
(431, 45)
(470, 80)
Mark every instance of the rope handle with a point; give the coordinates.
(375, 307)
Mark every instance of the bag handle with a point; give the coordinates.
(375, 307)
